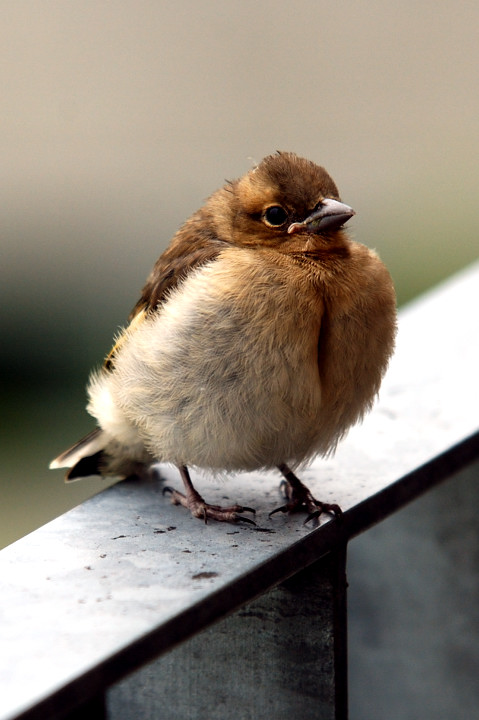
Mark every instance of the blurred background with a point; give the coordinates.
(118, 119)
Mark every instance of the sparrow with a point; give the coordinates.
(260, 337)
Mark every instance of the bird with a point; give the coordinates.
(261, 336)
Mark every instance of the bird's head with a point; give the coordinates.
(286, 202)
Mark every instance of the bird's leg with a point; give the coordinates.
(192, 500)
(300, 498)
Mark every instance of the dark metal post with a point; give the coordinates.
(283, 655)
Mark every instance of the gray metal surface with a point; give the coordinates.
(279, 656)
(125, 576)
(413, 610)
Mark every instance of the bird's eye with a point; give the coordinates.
(275, 216)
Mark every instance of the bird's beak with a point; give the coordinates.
(330, 215)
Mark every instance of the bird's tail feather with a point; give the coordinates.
(84, 457)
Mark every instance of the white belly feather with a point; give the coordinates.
(211, 380)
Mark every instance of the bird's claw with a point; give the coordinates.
(283, 509)
(202, 510)
(298, 497)
(320, 508)
(328, 508)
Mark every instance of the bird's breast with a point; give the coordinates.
(225, 374)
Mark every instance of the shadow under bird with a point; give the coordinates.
(261, 336)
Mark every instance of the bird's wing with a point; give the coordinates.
(171, 268)
(192, 246)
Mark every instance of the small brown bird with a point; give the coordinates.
(261, 335)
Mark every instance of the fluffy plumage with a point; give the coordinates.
(261, 335)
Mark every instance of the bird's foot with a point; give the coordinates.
(299, 498)
(204, 511)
